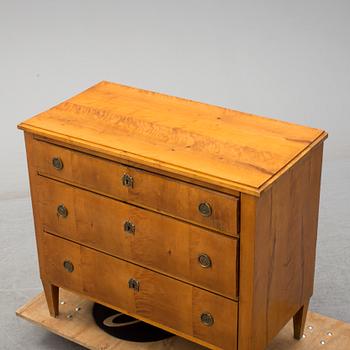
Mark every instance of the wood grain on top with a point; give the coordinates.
(212, 144)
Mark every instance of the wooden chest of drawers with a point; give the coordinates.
(195, 218)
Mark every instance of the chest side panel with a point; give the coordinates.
(277, 257)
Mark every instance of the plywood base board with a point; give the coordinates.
(75, 323)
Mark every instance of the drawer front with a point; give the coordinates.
(193, 203)
(157, 241)
(140, 291)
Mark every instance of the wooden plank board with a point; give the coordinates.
(217, 145)
(81, 329)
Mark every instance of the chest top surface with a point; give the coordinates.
(220, 146)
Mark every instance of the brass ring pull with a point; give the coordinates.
(129, 227)
(62, 211)
(204, 260)
(207, 319)
(128, 181)
(68, 265)
(134, 284)
(57, 163)
(205, 209)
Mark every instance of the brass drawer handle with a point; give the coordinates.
(68, 265)
(129, 227)
(57, 163)
(62, 211)
(207, 319)
(204, 260)
(134, 284)
(205, 209)
(128, 181)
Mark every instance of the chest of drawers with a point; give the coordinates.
(195, 218)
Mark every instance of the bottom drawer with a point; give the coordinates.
(142, 292)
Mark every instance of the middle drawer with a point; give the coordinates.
(159, 242)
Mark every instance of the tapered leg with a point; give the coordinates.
(51, 294)
(299, 321)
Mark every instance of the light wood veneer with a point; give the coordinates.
(169, 209)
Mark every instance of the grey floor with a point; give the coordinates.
(285, 59)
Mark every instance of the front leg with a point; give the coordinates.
(52, 295)
(299, 321)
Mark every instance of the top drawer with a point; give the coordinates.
(189, 202)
